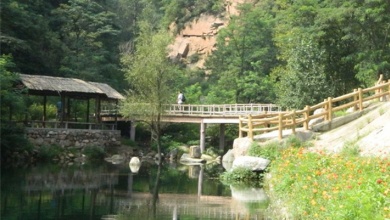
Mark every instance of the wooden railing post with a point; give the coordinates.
(355, 98)
(326, 107)
(330, 110)
(360, 99)
(306, 114)
(250, 126)
(293, 122)
(388, 91)
(280, 126)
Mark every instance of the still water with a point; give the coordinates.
(108, 191)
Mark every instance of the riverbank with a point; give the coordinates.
(343, 174)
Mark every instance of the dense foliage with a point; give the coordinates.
(315, 185)
(291, 52)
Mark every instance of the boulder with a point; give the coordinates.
(134, 164)
(317, 120)
(250, 162)
(173, 154)
(304, 135)
(241, 146)
(228, 157)
(195, 152)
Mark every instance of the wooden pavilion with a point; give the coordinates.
(67, 89)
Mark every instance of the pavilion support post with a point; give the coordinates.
(221, 136)
(97, 109)
(87, 111)
(68, 109)
(44, 111)
(87, 114)
(202, 136)
(62, 116)
(132, 130)
(116, 114)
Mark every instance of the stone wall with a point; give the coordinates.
(73, 138)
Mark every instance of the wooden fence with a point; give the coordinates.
(266, 122)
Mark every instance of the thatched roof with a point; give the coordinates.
(49, 85)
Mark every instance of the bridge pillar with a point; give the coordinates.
(222, 136)
(202, 136)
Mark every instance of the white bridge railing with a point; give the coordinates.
(220, 110)
(211, 110)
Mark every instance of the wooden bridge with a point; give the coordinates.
(201, 114)
(223, 113)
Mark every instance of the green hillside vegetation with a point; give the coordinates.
(291, 53)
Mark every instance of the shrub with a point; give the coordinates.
(295, 142)
(350, 148)
(241, 175)
(128, 142)
(94, 153)
(48, 153)
(321, 186)
(271, 150)
(13, 140)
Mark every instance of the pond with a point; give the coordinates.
(108, 191)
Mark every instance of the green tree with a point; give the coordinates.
(366, 24)
(12, 108)
(27, 35)
(244, 58)
(90, 38)
(182, 11)
(152, 78)
(304, 81)
(12, 101)
(349, 40)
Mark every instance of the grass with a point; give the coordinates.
(340, 113)
(382, 111)
(314, 185)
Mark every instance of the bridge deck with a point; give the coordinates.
(188, 113)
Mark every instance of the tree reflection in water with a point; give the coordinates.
(113, 192)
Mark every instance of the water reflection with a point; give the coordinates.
(107, 191)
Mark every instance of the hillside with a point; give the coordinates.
(199, 37)
(371, 132)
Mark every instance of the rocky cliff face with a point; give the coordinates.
(198, 39)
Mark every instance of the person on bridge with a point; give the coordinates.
(180, 98)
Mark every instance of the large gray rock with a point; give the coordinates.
(228, 157)
(304, 135)
(134, 164)
(241, 146)
(195, 152)
(317, 120)
(250, 162)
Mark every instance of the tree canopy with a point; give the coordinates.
(292, 53)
